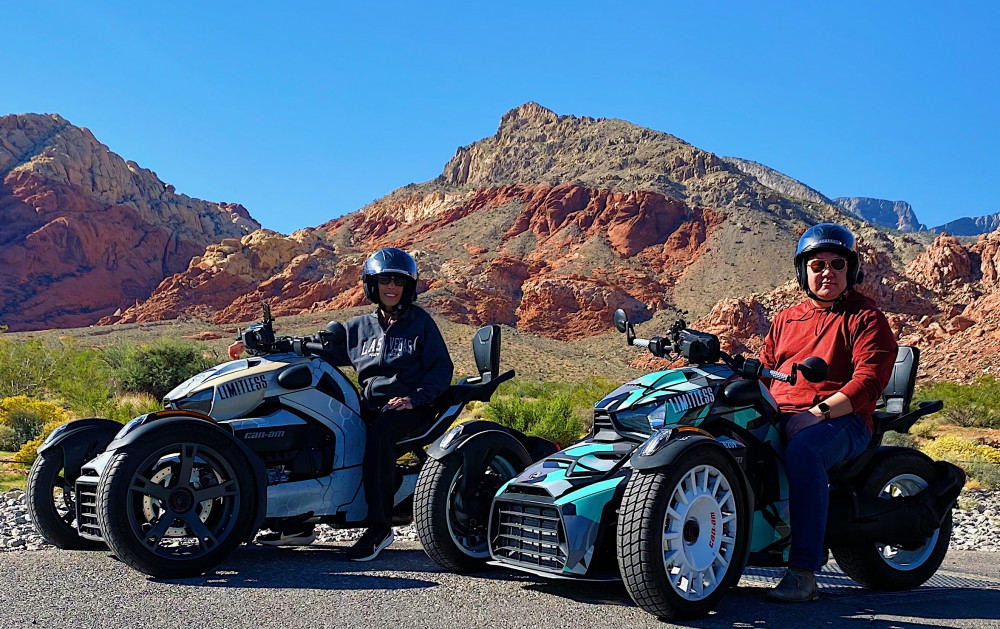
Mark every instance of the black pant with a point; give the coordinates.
(378, 469)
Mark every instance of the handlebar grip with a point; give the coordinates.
(314, 347)
(775, 375)
(641, 343)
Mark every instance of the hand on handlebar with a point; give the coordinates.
(236, 349)
(398, 403)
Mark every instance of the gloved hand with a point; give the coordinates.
(797, 422)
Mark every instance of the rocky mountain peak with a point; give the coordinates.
(884, 213)
(87, 232)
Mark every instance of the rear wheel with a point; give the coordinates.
(51, 505)
(177, 508)
(885, 567)
(453, 528)
(682, 534)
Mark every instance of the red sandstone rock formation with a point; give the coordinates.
(85, 232)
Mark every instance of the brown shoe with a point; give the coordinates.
(797, 586)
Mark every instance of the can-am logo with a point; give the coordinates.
(241, 386)
(264, 434)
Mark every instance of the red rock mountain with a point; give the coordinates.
(85, 232)
(555, 221)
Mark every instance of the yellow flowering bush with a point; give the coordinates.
(957, 448)
(28, 417)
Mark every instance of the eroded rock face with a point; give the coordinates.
(86, 233)
(942, 264)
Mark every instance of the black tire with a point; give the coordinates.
(882, 567)
(648, 531)
(51, 505)
(146, 497)
(455, 540)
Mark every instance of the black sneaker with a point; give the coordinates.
(797, 586)
(302, 536)
(371, 543)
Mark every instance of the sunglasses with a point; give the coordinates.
(818, 266)
(396, 281)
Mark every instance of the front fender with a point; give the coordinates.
(177, 421)
(79, 442)
(479, 435)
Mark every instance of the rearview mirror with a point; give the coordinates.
(814, 369)
(621, 321)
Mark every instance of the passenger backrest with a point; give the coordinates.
(486, 348)
(898, 392)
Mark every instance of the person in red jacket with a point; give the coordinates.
(830, 421)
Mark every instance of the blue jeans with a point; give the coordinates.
(807, 458)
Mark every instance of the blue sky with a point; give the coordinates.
(307, 111)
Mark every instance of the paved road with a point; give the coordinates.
(317, 587)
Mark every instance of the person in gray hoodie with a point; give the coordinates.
(403, 365)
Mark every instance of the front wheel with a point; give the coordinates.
(177, 503)
(885, 567)
(452, 527)
(682, 534)
(51, 505)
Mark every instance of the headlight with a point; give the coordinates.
(450, 438)
(642, 419)
(200, 401)
(655, 443)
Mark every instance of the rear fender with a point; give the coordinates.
(80, 441)
(178, 421)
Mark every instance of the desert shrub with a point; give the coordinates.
(122, 408)
(84, 382)
(29, 451)
(155, 369)
(980, 462)
(26, 367)
(8, 438)
(552, 418)
(579, 395)
(969, 405)
(897, 439)
(28, 417)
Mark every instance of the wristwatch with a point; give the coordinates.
(824, 408)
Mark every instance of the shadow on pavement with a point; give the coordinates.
(315, 567)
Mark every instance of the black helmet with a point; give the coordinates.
(827, 237)
(393, 262)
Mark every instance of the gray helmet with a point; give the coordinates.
(395, 263)
(827, 237)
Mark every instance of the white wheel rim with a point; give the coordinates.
(899, 558)
(699, 532)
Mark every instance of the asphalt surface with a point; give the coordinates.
(317, 587)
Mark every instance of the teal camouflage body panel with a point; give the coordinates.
(583, 484)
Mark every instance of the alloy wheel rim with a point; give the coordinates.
(699, 532)
(186, 511)
(899, 558)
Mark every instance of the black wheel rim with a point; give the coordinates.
(62, 499)
(183, 501)
(468, 517)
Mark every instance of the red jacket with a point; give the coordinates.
(854, 339)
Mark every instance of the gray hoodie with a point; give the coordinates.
(409, 359)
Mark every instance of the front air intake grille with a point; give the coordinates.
(86, 508)
(602, 420)
(528, 534)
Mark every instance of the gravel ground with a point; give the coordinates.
(977, 525)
